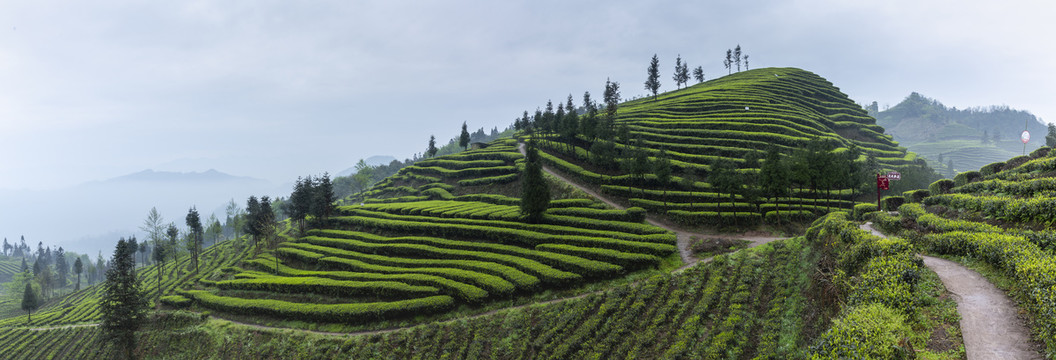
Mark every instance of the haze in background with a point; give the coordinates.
(274, 90)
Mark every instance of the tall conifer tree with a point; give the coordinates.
(652, 82)
(122, 305)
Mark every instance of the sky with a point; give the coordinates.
(277, 89)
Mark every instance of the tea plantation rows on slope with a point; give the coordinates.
(723, 120)
(412, 247)
(1001, 216)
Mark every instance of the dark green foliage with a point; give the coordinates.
(122, 305)
(681, 76)
(62, 267)
(698, 74)
(916, 196)
(535, 194)
(463, 138)
(322, 205)
(612, 101)
(431, 149)
(662, 170)
(737, 57)
(724, 178)
(774, 175)
(652, 82)
(196, 237)
(861, 209)
(29, 301)
(991, 168)
(1050, 137)
(300, 201)
(78, 268)
(891, 203)
(967, 177)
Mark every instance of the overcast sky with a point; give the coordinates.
(91, 90)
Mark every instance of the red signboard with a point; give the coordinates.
(881, 183)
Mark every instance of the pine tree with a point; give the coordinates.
(173, 233)
(62, 268)
(698, 74)
(78, 268)
(266, 220)
(323, 199)
(612, 101)
(160, 254)
(728, 62)
(535, 193)
(431, 149)
(652, 82)
(122, 305)
(681, 76)
(737, 57)
(300, 201)
(29, 302)
(463, 139)
(746, 62)
(194, 243)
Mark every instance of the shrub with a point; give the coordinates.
(861, 209)
(941, 186)
(1040, 152)
(176, 301)
(891, 203)
(873, 331)
(1015, 162)
(916, 196)
(991, 168)
(967, 177)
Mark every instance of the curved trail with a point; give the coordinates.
(989, 319)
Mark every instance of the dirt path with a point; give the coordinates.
(684, 239)
(989, 321)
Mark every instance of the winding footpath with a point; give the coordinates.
(989, 322)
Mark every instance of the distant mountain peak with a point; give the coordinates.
(150, 175)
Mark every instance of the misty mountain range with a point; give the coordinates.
(91, 216)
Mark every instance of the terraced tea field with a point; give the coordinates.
(726, 120)
(415, 248)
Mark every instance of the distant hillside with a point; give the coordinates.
(930, 129)
(118, 205)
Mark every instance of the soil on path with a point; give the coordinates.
(989, 321)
